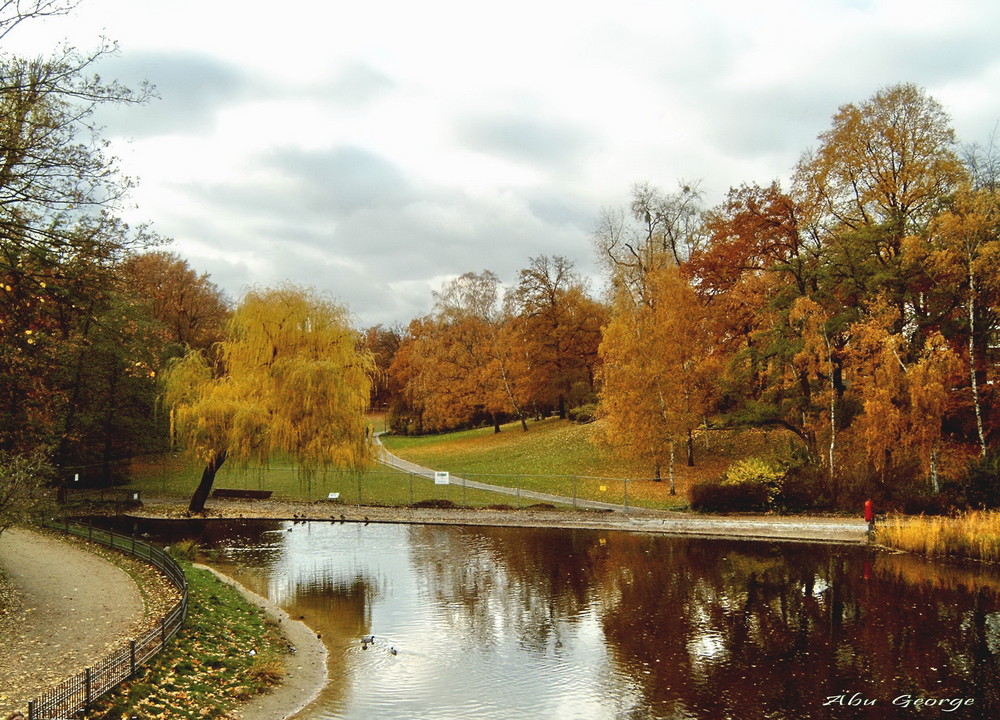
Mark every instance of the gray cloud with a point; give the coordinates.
(340, 180)
(357, 84)
(189, 88)
(528, 139)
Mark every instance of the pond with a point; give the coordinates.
(501, 623)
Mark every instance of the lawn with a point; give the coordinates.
(554, 456)
(178, 475)
(227, 652)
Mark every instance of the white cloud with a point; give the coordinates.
(375, 148)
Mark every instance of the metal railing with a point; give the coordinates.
(77, 693)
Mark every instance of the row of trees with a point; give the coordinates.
(484, 354)
(858, 310)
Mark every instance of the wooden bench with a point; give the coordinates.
(242, 494)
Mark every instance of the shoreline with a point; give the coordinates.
(305, 671)
(788, 528)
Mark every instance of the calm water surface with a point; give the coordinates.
(514, 623)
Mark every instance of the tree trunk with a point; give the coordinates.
(673, 486)
(197, 504)
(656, 473)
(524, 424)
(562, 407)
(935, 482)
(496, 423)
(972, 360)
(690, 448)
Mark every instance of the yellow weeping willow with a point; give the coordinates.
(290, 377)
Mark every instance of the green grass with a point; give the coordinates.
(208, 668)
(554, 456)
(177, 476)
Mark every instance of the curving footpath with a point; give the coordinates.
(768, 527)
(394, 461)
(70, 606)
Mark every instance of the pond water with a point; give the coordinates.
(499, 624)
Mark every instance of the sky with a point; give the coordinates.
(376, 150)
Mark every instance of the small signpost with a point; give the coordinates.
(441, 477)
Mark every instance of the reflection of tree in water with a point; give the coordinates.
(719, 628)
(500, 583)
(715, 629)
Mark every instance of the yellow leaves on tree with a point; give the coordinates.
(290, 377)
(904, 400)
(658, 368)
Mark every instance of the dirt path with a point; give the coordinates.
(68, 607)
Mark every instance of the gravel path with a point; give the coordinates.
(67, 607)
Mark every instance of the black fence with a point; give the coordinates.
(71, 696)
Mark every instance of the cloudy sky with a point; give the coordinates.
(377, 149)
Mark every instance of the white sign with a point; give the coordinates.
(333, 496)
(440, 477)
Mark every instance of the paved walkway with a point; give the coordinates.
(70, 606)
(831, 529)
(394, 461)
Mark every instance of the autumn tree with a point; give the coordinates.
(467, 359)
(905, 393)
(656, 231)
(59, 236)
(961, 261)
(290, 377)
(560, 330)
(190, 306)
(878, 177)
(658, 371)
(383, 343)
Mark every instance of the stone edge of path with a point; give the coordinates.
(791, 528)
(306, 670)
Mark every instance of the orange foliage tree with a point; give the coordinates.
(658, 368)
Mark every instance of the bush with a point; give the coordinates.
(752, 484)
(981, 484)
(583, 413)
(715, 496)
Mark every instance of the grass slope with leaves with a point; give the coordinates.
(559, 456)
(227, 652)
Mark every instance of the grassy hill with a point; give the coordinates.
(559, 456)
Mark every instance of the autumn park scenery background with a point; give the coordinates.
(840, 326)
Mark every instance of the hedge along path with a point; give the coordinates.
(71, 607)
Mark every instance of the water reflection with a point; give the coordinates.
(512, 623)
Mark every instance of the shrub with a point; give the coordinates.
(186, 549)
(754, 471)
(715, 496)
(583, 413)
(752, 484)
(981, 484)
